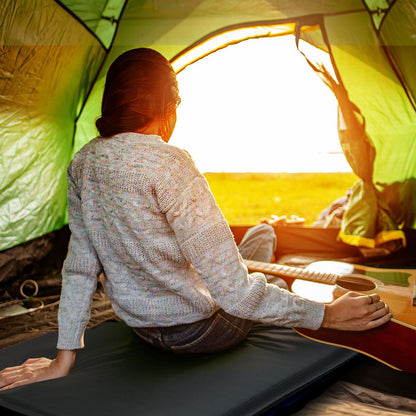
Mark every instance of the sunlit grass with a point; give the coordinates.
(245, 198)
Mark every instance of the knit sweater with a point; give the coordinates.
(141, 213)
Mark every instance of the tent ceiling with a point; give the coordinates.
(54, 55)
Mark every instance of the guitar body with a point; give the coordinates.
(393, 344)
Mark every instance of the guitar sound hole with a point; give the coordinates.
(356, 283)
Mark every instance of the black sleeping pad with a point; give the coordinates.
(118, 374)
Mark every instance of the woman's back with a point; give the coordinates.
(127, 184)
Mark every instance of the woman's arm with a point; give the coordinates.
(207, 242)
(37, 369)
(79, 275)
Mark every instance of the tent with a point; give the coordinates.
(53, 60)
(54, 55)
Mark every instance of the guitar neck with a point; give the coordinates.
(291, 272)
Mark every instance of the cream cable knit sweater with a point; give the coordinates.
(141, 212)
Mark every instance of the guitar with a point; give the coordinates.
(394, 343)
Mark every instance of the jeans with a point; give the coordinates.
(221, 331)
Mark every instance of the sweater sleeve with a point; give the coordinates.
(79, 277)
(208, 244)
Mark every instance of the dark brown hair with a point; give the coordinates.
(140, 87)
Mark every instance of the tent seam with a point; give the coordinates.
(98, 73)
(387, 54)
(70, 12)
(225, 29)
(393, 64)
(384, 18)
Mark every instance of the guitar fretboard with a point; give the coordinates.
(292, 272)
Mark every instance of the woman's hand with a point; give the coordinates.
(355, 312)
(37, 369)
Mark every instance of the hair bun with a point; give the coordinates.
(140, 86)
(103, 127)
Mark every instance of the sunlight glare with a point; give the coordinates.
(258, 107)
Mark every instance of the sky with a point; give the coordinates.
(258, 107)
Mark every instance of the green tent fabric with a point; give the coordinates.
(54, 55)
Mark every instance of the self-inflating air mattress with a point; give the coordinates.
(118, 374)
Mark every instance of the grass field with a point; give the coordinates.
(245, 198)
